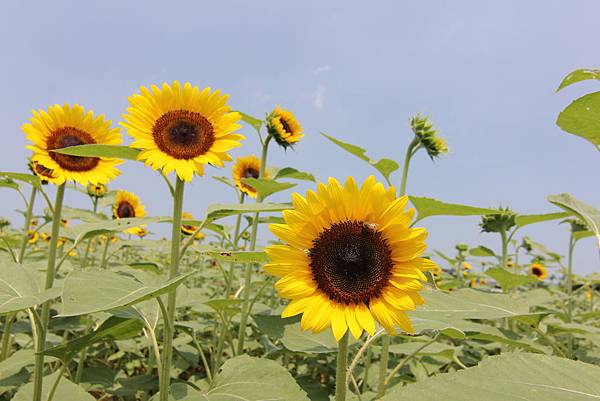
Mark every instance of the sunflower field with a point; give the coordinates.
(332, 294)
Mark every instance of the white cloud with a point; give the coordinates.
(323, 68)
(319, 97)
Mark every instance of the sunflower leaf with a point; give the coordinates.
(385, 166)
(526, 219)
(582, 118)
(427, 207)
(580, 209)
(112, 151)
(578, 76)
(28, 178)
(237, 256)
(508, 280)
(219, 211)
(509, 377)
(265, 187)
(482, 251)
(65, 390)
(290, 172)
(252, 121)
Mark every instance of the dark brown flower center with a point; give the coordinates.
(125, 210)
(285, 125)
(251, 173)
(351, 262)
(536, 271)
(183, 134)
(43, 171)
(66, 137)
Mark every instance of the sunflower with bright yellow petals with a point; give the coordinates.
(65, 126)
(32, 237)
(538, 270)
(128, 205)
(247, 167)
(349, 259)
(187, 229)
(182, 128)
(283, 126)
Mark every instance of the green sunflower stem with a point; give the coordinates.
(28, 214)
(40, 341)
(504, 249)
(383, 365)
(8, 321)
(569, 283)
(341, 369)
(248, 273)
(407, 158)
(169, 317)
(236, 234)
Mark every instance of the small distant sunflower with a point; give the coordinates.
(45, 237)
(247, 167)
(350, 258)
(538, 270)
(589, 295)
(65, 126)
(96, 190)
(33, 223)
(467, 266)
(472, 282)
(128, 205)
(32, 237)
(139, 231)
(482, 281)
(64, 222)
(187, 229)
(283, 127)
(182, 128)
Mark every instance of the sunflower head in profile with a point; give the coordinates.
(283, 127)
(538, 270)
(187, 229)
(65, 126)
(182, 128)
(247, 167)
(128, 205)
(427, 136)
(32, 237)
(139, 231)
(349, 258)
(467, 266)
(43, 173)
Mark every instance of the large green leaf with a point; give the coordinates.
(81, 214)
(95, 291)
(21, 288)
(16, 362)
(266, 187)
(482, 251)
(113, 151)
(297, 340)
(66, 390)
(509, 377)
(245, 378)
(28, 178)
(219, 211)
(384, 166)
(84, 231)
(427, 207)
(290, 172)
(526, 219)
(578, 76)
(433, 349)
(114, 328)
(585, 212)
(252, 121)
(508, 280)
(582, 118)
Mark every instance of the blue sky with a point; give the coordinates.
(485, 71)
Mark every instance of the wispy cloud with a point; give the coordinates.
(319, 97)
(322, 69)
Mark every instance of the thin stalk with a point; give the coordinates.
(249, 267)
(383, 365)
(202, 357)
(26, 224)
(55, 384)
(504, 248)
(362, 349)
(104, 252)
(38, 372)
(165, 372)
(408, 358)
(341, 369)
(570, 290)
(407, 157)
(236, 234)
(8, 321)
(89, 243)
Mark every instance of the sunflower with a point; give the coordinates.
(350, 258)
(46, 237)
(44, 173)
(182, 128)
(283, 127)
(32, 237)
(96, 190)
(65, 126)
(127, 205)
(64, 222)
(139, 231)
(467, 266)
(247, 167)
(538, 270)
(187, 229)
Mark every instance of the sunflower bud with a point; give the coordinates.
(577, 225)
(4, 223)
(462, 247)
(96, 190)
(427, 136)
(283, 127)
(498, 222)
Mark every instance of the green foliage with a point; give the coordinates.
(427, 207)
(115, 151)
(508, 280)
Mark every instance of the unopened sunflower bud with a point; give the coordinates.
(96, 190)
(283, 127)
(498, 222)
(427, 136)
